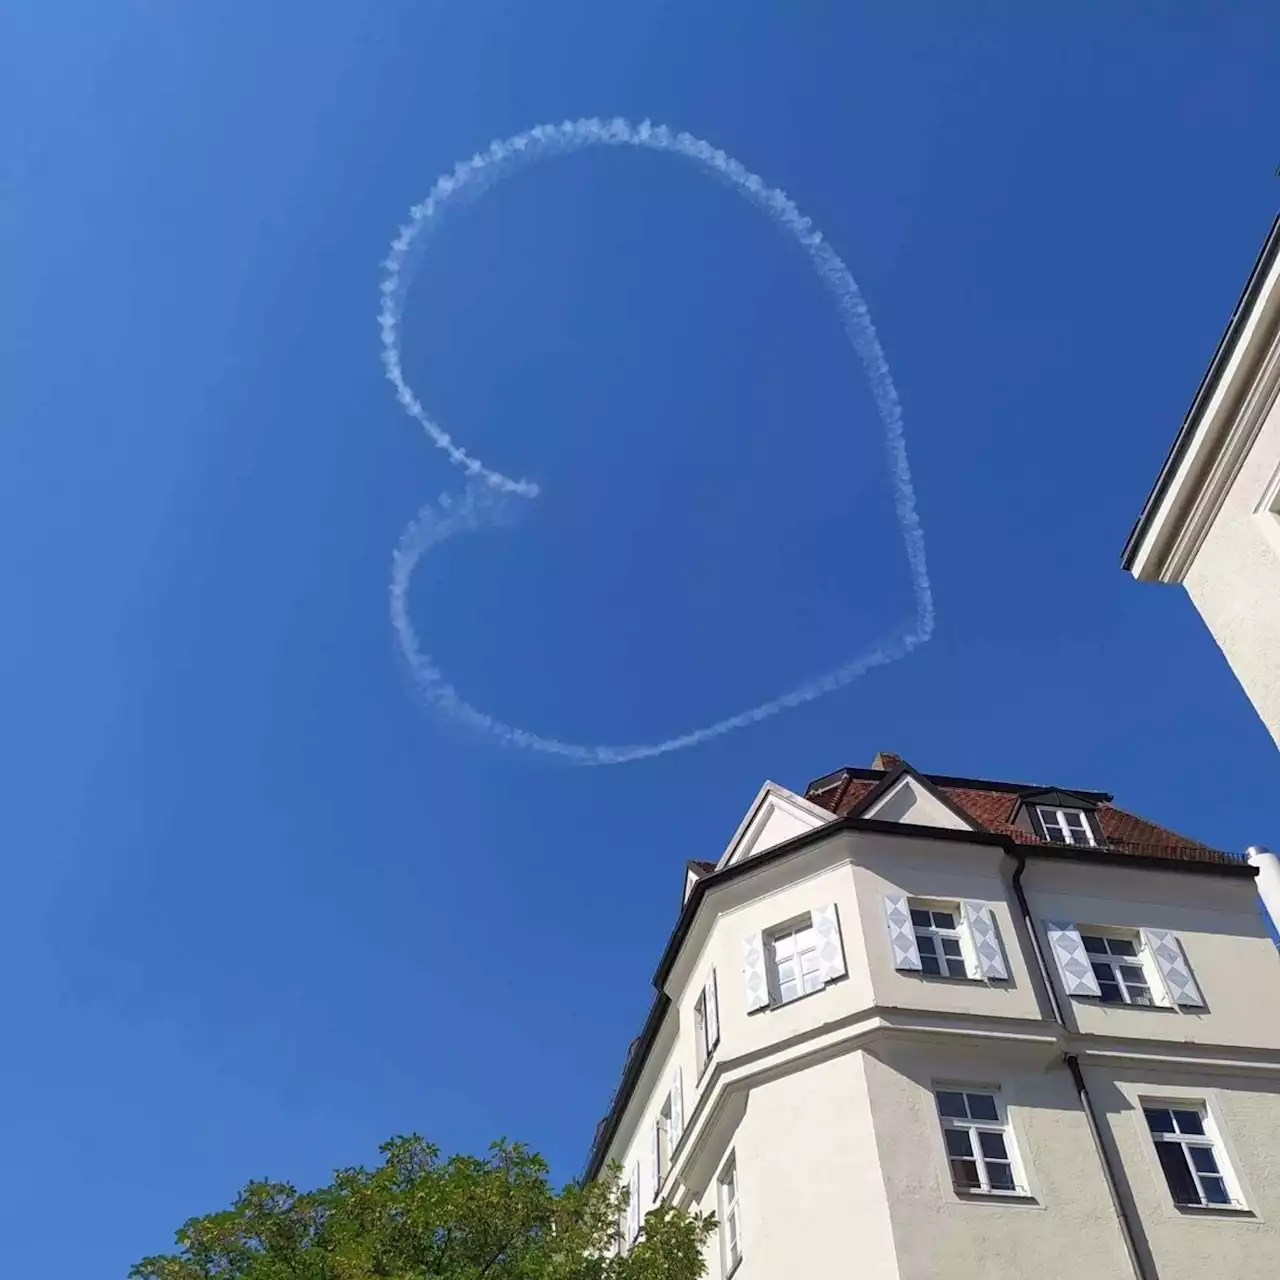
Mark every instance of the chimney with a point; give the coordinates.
(1268, 865)
(886, 760)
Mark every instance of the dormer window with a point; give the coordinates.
(1065, 826)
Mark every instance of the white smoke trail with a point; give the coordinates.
(487, 496)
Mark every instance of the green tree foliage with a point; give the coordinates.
(418, 1217)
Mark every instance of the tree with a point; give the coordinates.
(418, 1217)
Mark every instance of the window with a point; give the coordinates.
(938, 941)
(730, 1221)
(706, 1022)
(796, 969)
(1188, 1155)
(1065, 826)
(977, 1142)
(662, 1147)
(1118, 964)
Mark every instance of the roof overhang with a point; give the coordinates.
(1230, 405)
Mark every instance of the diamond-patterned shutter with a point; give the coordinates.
(753, 972)
(711, 1006)
(1171, 960)
(987, 950)
(677, 1108)
(826, 924)
(902, 937)
(1073, 960)
(633, 1204)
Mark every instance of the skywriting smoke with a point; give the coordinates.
(490, 495)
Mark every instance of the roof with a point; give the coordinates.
(1204, 393)
(992, 806)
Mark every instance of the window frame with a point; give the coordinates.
(704, 1047)
(1142, 959)
(935, 934)
(729, 1209)
(1058, 815)
(1210, 1138)
(770, 937)
(664, 1147)
(972, 1126)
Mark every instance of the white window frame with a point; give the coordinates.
(1210, 1139)
(973, 1127)
(729, 1205)
(1141, 959)
(929, 938)
(705, 1042)
(790, 928)
(663, 1147)
(1055, 817)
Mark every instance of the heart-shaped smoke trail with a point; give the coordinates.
(489, 493)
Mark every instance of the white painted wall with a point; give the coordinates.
(1234, 579)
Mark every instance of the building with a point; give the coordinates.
(911, 1026)
(1212, 521)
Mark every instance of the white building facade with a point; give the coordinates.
(1212, 521)
(914, 1026)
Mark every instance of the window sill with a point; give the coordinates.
(1215, 1210)
(1018, 1195)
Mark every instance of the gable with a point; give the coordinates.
(910, 801)
(777, 815)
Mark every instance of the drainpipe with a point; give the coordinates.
(1140, 1270)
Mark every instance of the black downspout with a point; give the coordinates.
(1140, 1270)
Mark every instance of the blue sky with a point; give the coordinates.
(261, 911)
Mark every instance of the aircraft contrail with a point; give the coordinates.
(490, 494)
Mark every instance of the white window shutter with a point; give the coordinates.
(633, 1204)
(987, 951)
(1073, 960)
(655, 1155)
(677, 1108)
(753, 972)
(826, 924)
(711, 1007)
(1171, 960)
(902, 937)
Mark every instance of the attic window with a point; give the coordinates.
(1065, 826)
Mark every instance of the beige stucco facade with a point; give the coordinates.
(826, 1104)
(1212, 523)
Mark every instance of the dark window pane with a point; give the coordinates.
(1123, 947)
(1215, 1190)
(952, 1104)
(919, 917)
(950, 946)
(993, 1145)
(964, 1173)
(1000, 1176)
(1159, 1120)
(1188, 1122)
(1140, 995)
(1108, 990)
(1132, 975)
(929, 962)
(944, 920)
(1097, 946)
(958, 1143)
(982, 1106)
(956, 969)
(1203, 1159)
(1177, 1173)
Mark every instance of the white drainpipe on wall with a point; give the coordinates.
(1268, 865)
